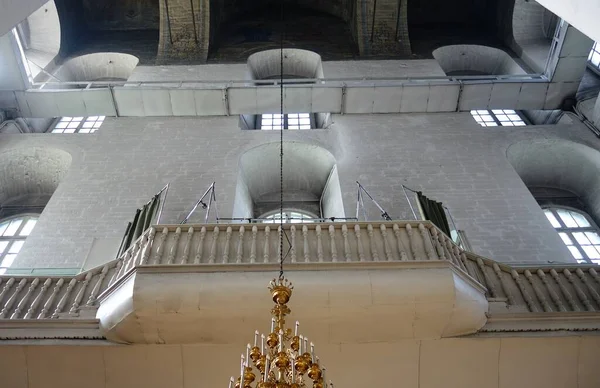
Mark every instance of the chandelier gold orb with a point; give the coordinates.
(283, 358)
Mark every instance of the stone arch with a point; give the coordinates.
(97, 67)
(29, 176)
(311, 181)
(297, 63)
(533, 27)
(40, 36)
(465, 59)
(562, 165)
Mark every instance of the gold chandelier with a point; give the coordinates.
(283, 359)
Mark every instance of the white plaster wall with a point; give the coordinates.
(583, 14)
(447, 156)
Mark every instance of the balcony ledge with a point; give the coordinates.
(351, 302)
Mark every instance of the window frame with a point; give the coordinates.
(493, 113)
(268, 217)
(286, 118)
(25, 217)
(81, 123)
(594, 51)
(570, 230)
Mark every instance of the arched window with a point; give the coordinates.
(289, 216)
(13, 233)
(578, 232)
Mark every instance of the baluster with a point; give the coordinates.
(228, 233)
(538, 292)
(25, 298)
(186, 246)
(486, 277)
(160, 246)
(266, 245)
(590, 287)
(564, 291)
(438, 246)
(401, 249)
(213, 246)
(359, 246)
(80, 294)
(347, 254)
(465, 261)
(148, 246)
(13, 298)
(594, 275)
(240, 247)
(451, 252)
(333, 247)
(6, 288)
(63, 300)
(38, 299)
(173, 250)
(319, 244)
(305, 238)
(137, 248)
(198, 256)
(372, 244)
(528, 299)
(92, 298)
(505, 288)
(412, 242)
(460, 263)
(253, 245)
(553, 295)
(293, 243)
(582, 297)
(386, 245)
(427, 242)
(117, 272)
(50, 301)
(125, 260)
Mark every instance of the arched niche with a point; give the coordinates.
(310, 181)
(242, 29)
(97, 67)
(465, 59)
(563, 165)
(28, 178)
(40, 36)
(297, 63)
(533, 27)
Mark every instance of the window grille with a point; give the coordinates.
(13, 233)
(577, 232)
(498, 117)
(78, 124)
(288, 121)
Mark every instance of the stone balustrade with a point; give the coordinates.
(30, 297)
(302, 243)
(548, 288)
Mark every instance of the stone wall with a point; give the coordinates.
(448, 156)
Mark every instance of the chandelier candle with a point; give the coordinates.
(283, 360)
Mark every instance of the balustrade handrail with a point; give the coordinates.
(333, 81)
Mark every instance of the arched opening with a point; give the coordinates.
(251, 27)
(562, 174)
(97, 67)
(436, 23)
(533, 27)
(28, 179)
(311, 183)
(467, 59)
(40, 36)
(127, 26)
(297, 64)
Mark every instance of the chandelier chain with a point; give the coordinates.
(281, 141)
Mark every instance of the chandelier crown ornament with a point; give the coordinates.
(284, 358)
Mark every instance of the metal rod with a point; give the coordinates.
(384, 214)
(194, 21)
(168, 21)
(408, 200)
(162, 205)
(185, 220)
